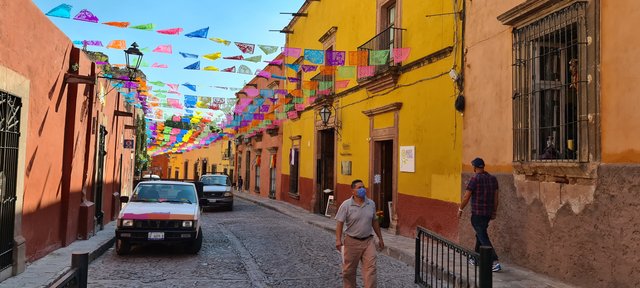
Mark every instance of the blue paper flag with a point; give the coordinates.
(190, 86)
(188, 55)
(314, 56)
(201, 33)
(194, 66)
(62, 11)
(294, 67)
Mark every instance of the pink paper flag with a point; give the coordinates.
(164, 49)
(230, 69)
(311, 100)
(292, 114)
(173, 88)
(252, 92)
(171, 31)
(246, 48)
(264, 74)
(342, 84)
(324, 92)
(292, 52)
(157, 65)
(366, 71)
(400, 54)
(299, 107)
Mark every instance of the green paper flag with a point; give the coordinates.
(379, 57)
(347, 72)
(306, 92)
(254, 59)
(324, 85)
(157, 83)
(149, 26)
(268, 49)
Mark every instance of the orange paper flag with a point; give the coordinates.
(358, 58)
(117, 24)
(117, 44)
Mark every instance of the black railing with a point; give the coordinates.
(10, 109)
(442, 263)
(388, 39)
(78, 275)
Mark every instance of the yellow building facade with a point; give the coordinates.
(397, 130)
(217, 157)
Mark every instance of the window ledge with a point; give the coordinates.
(563, 172)
(294, 196)
(531, 9)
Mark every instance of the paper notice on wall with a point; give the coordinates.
(407, 158)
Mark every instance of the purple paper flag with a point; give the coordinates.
(264, 108)
(335, 58)
(87, 16)
(309, 68)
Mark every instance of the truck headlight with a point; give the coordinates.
(187, 224)
(127, 223)
(228, 194)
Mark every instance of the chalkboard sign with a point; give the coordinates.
(332, 208)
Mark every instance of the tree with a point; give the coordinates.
(142, 158)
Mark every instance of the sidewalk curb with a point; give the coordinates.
(390, 251)
(93, 255)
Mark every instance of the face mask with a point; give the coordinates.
(362, 192)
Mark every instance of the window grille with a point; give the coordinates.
(550, 88)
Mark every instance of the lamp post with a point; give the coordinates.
(325, 114)
(134, 59)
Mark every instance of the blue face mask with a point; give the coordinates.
(362, 192)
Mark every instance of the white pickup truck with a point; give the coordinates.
(165, 212)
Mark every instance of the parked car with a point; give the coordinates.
(217, 190)
(159, 211)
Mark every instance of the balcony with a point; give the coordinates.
(385, 76)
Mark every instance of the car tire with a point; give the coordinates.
(230, 207)
(122, 247)
(196, 244)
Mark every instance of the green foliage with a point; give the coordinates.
(142, 158)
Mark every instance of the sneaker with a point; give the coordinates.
(472, 262)
(496, 267)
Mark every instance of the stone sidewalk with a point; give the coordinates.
(403, 248)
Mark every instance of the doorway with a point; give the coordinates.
(102, 152)
(325, 168)
(383, 178)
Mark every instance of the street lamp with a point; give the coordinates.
(134, 59)
(325, 114)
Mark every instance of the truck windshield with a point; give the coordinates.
(214, 180)
(173, 193)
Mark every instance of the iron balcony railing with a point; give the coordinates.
(442, 263)
(388, 39)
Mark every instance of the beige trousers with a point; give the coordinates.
(356, 251)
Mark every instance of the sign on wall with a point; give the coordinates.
(128, 144)
(407, 158)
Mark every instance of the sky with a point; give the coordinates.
(247, 21)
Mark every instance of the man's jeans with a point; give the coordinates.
(480, 225)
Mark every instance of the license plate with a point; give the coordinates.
(212, 200)
(156, 235)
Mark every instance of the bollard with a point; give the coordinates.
(486, 276)
(80, 262)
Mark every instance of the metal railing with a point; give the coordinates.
(78, 275)
(386, 40)
(442, 263)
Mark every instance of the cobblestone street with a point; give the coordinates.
(249, 247)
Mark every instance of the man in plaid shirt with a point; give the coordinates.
(483, 192)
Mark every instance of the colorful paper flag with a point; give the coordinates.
(211, 68)
(342, 84)
(366, 71)
(157, 65)
(292, 52)
(358, 58)
(117, 24)
(62, 11)
(200, 33)
(254, 59)
(117, 44)
(190, 86)
(146, 27)
(346, 72)
(239, 57)
(86, 15)
(188, 55)
(400, 54)
(221, 41)
(268, 49)
(243, 69)
(309, 68)
(314, 56)
(230, 69)
(294, 67)
(164, 49)
(246, 48)
(379, 57)
(171, 31)
(213, 56)
(335, 58)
